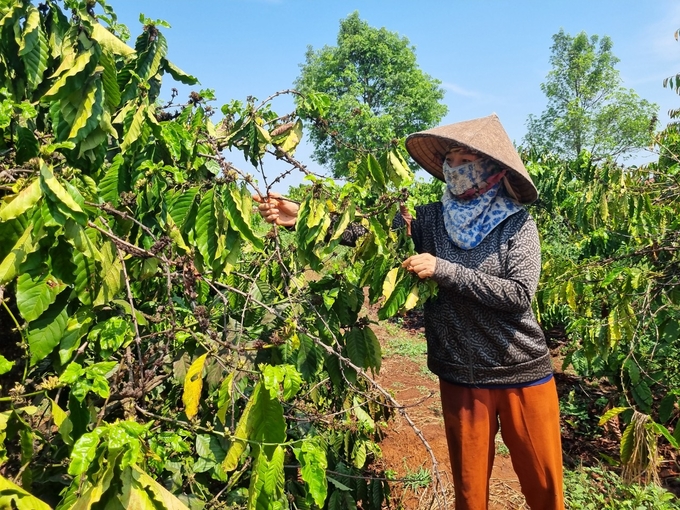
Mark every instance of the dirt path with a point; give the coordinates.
(404, 373)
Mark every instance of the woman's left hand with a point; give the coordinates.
(422, 264)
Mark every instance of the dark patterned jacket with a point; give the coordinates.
(480, 328)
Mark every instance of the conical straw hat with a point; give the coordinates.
(485, 136)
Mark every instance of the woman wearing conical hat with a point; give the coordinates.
(482, 248)
(484, 343)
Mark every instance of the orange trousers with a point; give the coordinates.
(530, 428)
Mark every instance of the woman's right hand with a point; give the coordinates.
(276, 209)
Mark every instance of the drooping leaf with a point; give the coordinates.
(313, 464)
(209, 228)
(74, 75)
(90, 110)
(51, 186)
(238, 204)
(111, 44)
(177, 73)
(135, 130)
(33, 48)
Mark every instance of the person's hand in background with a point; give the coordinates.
(276, 209)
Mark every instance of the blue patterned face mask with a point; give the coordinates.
(474, 201)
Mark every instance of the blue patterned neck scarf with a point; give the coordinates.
(468, 221)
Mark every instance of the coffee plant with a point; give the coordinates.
(611, 249)
(162, 347)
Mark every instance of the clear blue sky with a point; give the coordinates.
(491, 55)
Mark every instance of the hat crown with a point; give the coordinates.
(485, 136)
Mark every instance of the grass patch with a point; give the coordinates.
(406, 346)
(501, 448)
(600, 489)
(415, 480)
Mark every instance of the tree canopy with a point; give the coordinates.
(588, 108)
(378, 93)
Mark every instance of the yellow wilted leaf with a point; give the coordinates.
(604, 208)
(412, 298)
(614, 328)
(390, 282)
(293, 138)
(571, 295)
(193, 384)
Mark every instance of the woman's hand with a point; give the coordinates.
(276, 209)
(422, 265)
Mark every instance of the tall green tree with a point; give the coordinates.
(588, 108)
(378, 93)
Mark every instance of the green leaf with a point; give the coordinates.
(45, 333)
(224, 397)
(22, 202)
(643, 395)
(85, 278)
(111, 274)
(149, 61)
(62, 421)
(370, 167)
(356, 346)
(359, 454)
(35, 295)
(180, 206)
(84, 451)
(110, 82)
(627, 443)
(5, 365)
(26, 144)
(396, 300)
(313, 464)
(209, 223)
(193, 385)
(663, 431)
(273, 478)
(262, 422)
(79, 238)
(373, 349)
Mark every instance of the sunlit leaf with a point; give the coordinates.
(22, 202)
